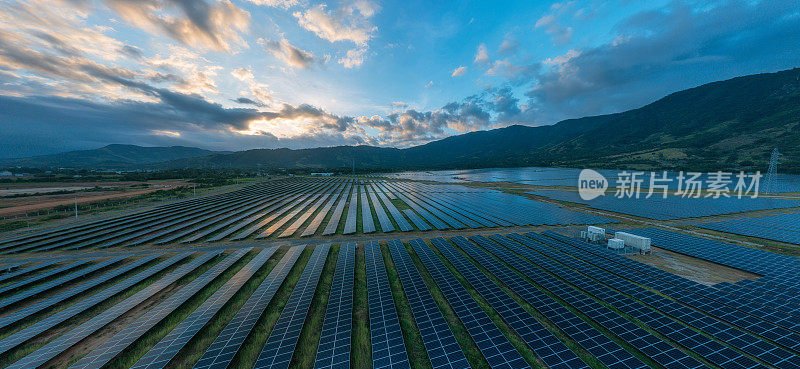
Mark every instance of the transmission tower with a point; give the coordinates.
(772, 172)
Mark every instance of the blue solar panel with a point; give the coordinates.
(279, 348)
(67, 340)
(333, 350)
(442, 348)
(388, 348)
(228, 342)
(494, 346)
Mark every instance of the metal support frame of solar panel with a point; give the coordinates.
(440, 343)
(383, 218)
(712, 351)
(700, 300)
(168, 347)
(604, 349)
(333, 350)
(634, 271)
(317, 221)
(29, 310)
(279, 348)
(491, 342)
(236, 331)
(31, 292)
(398, 217)
(111, 348)
(554, 353)
(352, 212)
(386, 337)
(85, 329)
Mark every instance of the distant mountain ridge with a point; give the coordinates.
(114, 156)
(727, 125)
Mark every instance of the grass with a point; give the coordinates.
(560, 334)
(468, 346)
(306, 350)
(415, 349)
(514, 338)
(360, 349)
(73, 322)
(248, 354)
(135, 351)
(195, 349)
(400, 204)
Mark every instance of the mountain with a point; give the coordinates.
(109, 157)
(726, 125)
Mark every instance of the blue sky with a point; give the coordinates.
(241, 74)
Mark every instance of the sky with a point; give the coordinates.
(244, 74)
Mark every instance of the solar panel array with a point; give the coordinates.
(299, 207)
(279, 348)
(496, 348)
(335, 340)
(388, 348)
(124, 338)
(778, 227)
(673, 207)
(440, 343)
(228, 342)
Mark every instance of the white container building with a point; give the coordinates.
(638, 242)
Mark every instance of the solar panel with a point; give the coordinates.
(67, 340)
(401, 221)
(442, 348)
(227, 343)
(383, 218)
(58, 281)
(32, 309)
(7, 289)
(494, 346)
(169, 346)
(333, 223)
(107, 351)
(317, 221)
(352, 212)
(367, 224)
(604, 349)
(10, 276)
(388, 349)
(333, 350)
(277, 351)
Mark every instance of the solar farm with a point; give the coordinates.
(404, 271)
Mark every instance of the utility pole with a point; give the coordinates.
(772, 171)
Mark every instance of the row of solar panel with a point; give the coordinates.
(282, 208)
(779, 227)
(578, 288)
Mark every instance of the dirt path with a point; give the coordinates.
(82, 199)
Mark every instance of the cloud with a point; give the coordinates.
(243, 74)
(195, 23)
(560, 34)
(349, 23)
(283, 4)
(458, 72)
(353, 59)
(509, 46)
(482, 55)
(288, 54)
